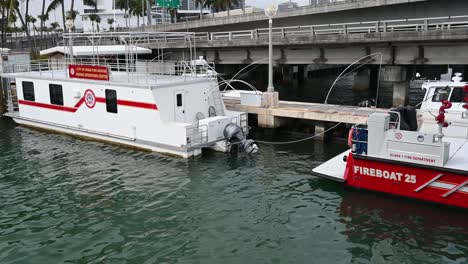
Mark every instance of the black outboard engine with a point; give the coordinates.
(234, 134)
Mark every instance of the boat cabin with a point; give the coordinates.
(131, 102)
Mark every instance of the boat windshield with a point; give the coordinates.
(453, 94)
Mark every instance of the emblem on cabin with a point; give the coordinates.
(398, 136)
(90, 98)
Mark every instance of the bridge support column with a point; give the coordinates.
(400, 93)
(362, 80)
(397, 75)
(2, 99)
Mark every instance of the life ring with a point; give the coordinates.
(350, 137)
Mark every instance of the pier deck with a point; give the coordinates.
(308, 111)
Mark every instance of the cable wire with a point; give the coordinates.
(300, 140)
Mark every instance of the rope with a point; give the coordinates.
(300, 140)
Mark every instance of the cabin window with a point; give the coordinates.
(441, 94)
(111, 101)
(458, 95)
(56, 94)
(179, 100)
(28, 91)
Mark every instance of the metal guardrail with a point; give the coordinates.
(141, 72)
(400, 25)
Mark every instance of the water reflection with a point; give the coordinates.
(403, 230)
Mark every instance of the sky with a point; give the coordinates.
(264, 3)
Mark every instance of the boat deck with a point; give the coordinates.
(458, 154)
(121, 77)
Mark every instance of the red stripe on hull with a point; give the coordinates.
(48, 106)
(137, 104)
(405, 180)
(81, 101)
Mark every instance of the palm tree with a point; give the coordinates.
(72, 13)
(53, 5)
(31, 20)
(110, 21)
(7, 11)
(124, 4)
(92, 18)
(201, 4)
(43, 17)
(54, 26)
(98, 21)
(225, 4)
(24, 22)
(136, 9)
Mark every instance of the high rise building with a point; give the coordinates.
(190, 5)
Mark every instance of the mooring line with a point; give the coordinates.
(300, 140)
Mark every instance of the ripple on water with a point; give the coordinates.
(66, 200)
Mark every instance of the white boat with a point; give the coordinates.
(172, 107)
(425, 160)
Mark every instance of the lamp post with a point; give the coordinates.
(270, 12)
(70, 24)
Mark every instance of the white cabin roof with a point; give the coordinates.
(101, 50)
(4, 50)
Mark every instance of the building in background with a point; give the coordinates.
(287, 5)
(107, 12)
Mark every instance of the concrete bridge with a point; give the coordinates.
(411, 41)
(339, 12)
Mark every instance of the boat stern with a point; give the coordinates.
(335, 168)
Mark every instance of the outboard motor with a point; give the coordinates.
(234, 134)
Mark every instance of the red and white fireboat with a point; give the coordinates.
(400, 154)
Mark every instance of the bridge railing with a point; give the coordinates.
(400, 25)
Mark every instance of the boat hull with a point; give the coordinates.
(431, 184)
(91, 135)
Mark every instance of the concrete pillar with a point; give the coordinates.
(2, 99)
(362, 80)
(397, 75)
(270, 100)
(400, 93)
(320, 127)
(301, 73)
(268, 121)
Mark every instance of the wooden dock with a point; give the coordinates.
(321, 113)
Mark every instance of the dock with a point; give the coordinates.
(322, 115)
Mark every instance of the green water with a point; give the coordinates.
(64, 200)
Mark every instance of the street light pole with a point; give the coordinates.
(270, 88)
(270, 12)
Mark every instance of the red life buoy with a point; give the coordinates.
(350, 137)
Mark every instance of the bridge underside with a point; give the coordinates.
(398, 48)
(393, 54)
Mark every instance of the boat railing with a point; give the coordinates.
(360, 134)
(141, 72)
(197, 135)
